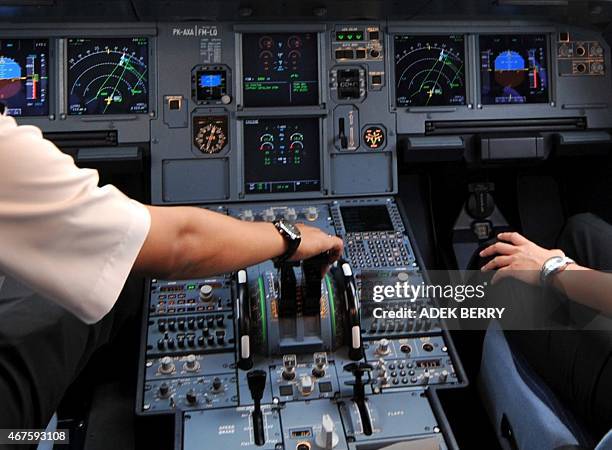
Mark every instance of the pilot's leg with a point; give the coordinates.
(42, 349)
(588, 240)
(577, 365)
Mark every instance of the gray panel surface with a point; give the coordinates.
(361, 173)
(186, 180)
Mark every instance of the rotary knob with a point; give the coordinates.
(206, 292)
(247, 215)
(291, 214)
(268, 215)
(217, 385)
(164, 390)
(191, 397)
(167, 365)
(383, 347)
(306, 385)
(311, 213)
(191, 363)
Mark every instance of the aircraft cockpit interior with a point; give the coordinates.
(460, 151)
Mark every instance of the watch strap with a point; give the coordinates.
(553, 266)
(293, 242)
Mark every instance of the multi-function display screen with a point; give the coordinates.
(429, 70)
(108, 76)
(280, 69)
(361, 219)
(514, 69)
(24, 76)
(281, 155)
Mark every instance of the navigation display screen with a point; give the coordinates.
(281, 155)
(24, 76)
(361, 219)
(429, 70)
(514, 69)
(108, 76)
(280, 69)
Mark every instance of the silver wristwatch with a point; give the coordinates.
(553, 266)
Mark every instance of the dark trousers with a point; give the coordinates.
(42, 350)
(577, 365)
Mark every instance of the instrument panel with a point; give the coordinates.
(359, 89)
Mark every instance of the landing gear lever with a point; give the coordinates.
(257, 383)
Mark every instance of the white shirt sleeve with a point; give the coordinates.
(62, 235)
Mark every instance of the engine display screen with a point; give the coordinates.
(108, 76)
(280, 69)
(361, 219)
(429, 70)
(514, 69)
(24, 76)
(281, 155)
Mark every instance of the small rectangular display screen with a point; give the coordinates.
(108, 76)
(280, 69)
(281, 155)
(360, 219)
(24, 76)
(514, 69)
(211, 85)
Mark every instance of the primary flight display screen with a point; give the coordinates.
(281, 155)
(429, 70)
(24, 76)
(280, 69)
(108, 76)
(514, 69)
(360, 219)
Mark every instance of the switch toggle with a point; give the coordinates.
(327, 438)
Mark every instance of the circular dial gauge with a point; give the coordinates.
(429, 70)
(108, 76)
(210, 134)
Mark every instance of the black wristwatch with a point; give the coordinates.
(292, 236)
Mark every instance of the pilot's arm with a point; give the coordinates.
(518, 257)
(76, 243)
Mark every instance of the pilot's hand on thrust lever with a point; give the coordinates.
(315, 242)
(517, 257)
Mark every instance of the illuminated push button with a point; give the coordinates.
(206, 292)
(312, 213)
